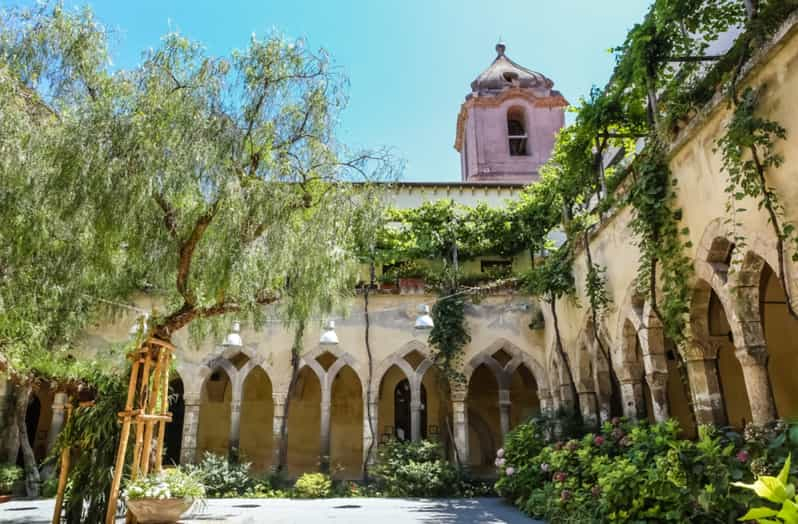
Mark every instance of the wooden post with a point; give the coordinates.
(110, 514)
(62, 475)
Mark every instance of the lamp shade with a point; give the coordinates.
(328, 335)
(423, 320)
(233, 338)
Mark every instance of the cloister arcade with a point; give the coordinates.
(736, 361)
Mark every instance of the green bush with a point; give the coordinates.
(313, 486)
(637, 472)
(10, 474)
(415, 469)
(223, 478)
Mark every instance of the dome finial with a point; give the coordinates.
(500, 47)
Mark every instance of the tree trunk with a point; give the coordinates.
(11, 429)
(296, 349)
(367, 341)
(564, 357)
(32, 479)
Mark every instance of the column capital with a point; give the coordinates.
(459, 396)
(191, 400)
(752, 355)
(657, 380)
(696, 350)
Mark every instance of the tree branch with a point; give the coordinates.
(187, 251)
(168, 215)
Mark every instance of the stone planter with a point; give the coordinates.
(412, 286)
(152, 511)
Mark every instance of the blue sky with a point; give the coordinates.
(409, 62)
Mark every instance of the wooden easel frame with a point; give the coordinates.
(147, 405)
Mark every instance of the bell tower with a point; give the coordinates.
(507, 123)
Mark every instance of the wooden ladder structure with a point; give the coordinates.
(147, 405)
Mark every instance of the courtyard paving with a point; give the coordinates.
(288, 511)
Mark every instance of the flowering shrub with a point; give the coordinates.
(171, 483)
(313, 486)
(415, 469)
(223, 478)
(636, 472)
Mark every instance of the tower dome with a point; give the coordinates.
(503, 73)
(508, 122)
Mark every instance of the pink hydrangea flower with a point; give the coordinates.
(742, 456)
(599, 440)
(560, 476)
(499, 462)
(500, 452)
(509, 471)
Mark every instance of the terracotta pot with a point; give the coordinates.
(5, 498)
(153, 511)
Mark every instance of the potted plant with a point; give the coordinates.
(163, 497)
(10, 474)
(411, 277)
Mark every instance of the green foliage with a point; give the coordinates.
(313, 486)
(749, 151)
(207, 181)
(636, 472)
(656, 227)
(170, 483)
(94, 430)
(552, 278)
(778, 490)
(221, 477)
(10, 474)
(415, 469)
(449, 334)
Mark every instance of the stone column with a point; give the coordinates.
(754, 361)
(415, 420)
(632, 397)
(566, 396)
(702, 369)
(278, 417)
(587, 401)
(504, 411)
(188, 446)
(234, 440)
(658, 385)
(56, 424)
(326, 407)
(546, 400)
(368, 441)
(460, 422)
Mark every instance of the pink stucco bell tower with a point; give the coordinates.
(507, 123)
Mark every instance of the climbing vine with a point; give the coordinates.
(748, 149)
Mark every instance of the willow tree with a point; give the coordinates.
(215, 183)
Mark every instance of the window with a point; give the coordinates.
(516, 131)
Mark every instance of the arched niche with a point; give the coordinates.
(304, 424)
(213, 432)
(484, 431)
(257, 415)
(346, 425)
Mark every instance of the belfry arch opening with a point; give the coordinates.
(516, 131)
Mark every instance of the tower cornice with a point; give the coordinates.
(553, 100)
